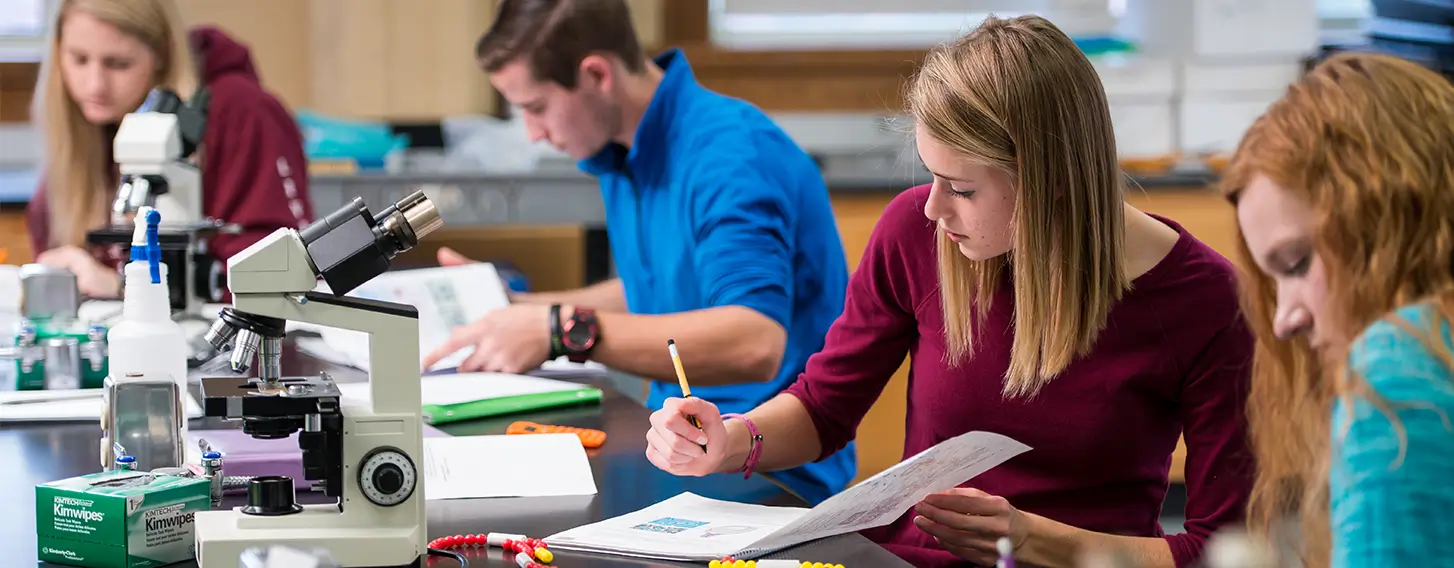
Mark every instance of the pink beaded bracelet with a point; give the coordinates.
(755, 452)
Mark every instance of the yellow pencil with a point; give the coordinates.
(676, 359)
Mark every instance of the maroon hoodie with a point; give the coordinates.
(254, 173)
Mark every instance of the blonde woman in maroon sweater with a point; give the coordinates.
(1053, 313)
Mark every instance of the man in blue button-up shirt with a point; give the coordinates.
(720, 226)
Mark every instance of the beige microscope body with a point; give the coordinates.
(367, 454)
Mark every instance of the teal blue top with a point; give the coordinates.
(1392, 496)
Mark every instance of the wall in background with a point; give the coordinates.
(396, 60)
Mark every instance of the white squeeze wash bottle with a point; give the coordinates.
(147, 340)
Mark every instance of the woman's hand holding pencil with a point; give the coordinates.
(676, 446)
(687, 436)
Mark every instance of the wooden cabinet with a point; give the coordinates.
(395, 60)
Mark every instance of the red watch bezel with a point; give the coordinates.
(580, 316)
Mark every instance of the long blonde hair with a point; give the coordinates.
(1365, 140)
(77, 173)
(1020, 96)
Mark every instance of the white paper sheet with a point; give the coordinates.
(526, 465)
(78, 406)
(685, 527)
(876, 501)
(446, 297)
(470, 387)
(881, 499)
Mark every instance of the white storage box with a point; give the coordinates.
(1142, 95)
(1254, 29)
(1220, 101)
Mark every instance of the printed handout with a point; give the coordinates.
(693, 528)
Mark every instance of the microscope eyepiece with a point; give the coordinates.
(411, 219)
(351, 245)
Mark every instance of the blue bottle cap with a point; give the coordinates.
(212, 456)
(153, 245)
(126, 459)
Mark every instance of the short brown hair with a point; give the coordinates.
(555, 35)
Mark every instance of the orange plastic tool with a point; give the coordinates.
(589, 438)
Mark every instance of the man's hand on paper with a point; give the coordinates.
(512, 339)
(968, 522)
(675, 446)
(95, 280)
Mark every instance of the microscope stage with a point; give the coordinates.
(244, 397)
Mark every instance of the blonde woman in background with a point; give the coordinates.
(1034, 303)
(1345, 200)
(103, 59)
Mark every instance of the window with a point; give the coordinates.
(920, 23)
(1345, 9)
(22, 18)
(22, 28)
(865, 23)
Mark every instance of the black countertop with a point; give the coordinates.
(625, 480)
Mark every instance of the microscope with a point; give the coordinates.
(151, 149)
(367, 455)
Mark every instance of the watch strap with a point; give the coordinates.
(557, 344)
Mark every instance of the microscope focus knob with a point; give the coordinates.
(387, 477)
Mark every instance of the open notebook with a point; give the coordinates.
(689, 527)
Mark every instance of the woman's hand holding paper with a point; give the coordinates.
(968, 522)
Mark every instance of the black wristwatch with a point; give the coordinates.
(574, 337)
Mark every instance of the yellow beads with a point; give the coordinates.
(730, 562)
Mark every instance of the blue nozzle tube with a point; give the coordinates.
(153, 245)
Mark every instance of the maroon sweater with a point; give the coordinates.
(1174, 358)
(254, 172)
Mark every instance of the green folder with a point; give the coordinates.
(444, 413)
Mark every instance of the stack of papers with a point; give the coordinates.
(466, 396)
(693, 528)
(64, 406)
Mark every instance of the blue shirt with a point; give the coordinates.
(714, 205)
(1392, 483)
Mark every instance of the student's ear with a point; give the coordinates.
(597, 72)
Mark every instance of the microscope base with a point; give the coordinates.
(222, 536)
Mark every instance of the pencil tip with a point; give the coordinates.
(671, 342)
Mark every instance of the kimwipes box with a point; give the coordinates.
(118, 519)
